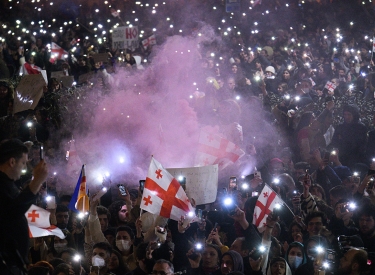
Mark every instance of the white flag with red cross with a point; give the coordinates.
(149, 41)
(214, 149)
(264, 206)
(330, 86)
(57, 53)
(39, 225)
(163, 194)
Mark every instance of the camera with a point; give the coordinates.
(122, 189)
(142, 185)
(198, 247)
(257, 253)
(370, 185)
(348, 207)
(182, 181)
(230, 205)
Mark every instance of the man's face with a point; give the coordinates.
(367, 225)
(17, 167)
(341, 73)
(102, 253)
(345, 266)
(161, 269)
(278, 268)
(103, 219)
(234, 69)
(348, 117)
(226, 264)
(231, 84)
(62, 219)
(314, 226)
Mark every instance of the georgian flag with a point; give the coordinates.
(163, 194)
(264, 206)
(39, 225)
(149, 41)
(330, 86)
(214, 149)
(57, 53)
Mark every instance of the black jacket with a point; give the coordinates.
(14, 230)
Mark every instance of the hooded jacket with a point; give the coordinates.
(301, 246)
(237, 260)
(287, 268)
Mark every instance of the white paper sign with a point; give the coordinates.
(28, 92)
(201, 182)
(125, 38)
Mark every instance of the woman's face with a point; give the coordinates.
(295, 251)
(210, 258)
(123, 213)
(113, 262)
(226, 264)
(286, 75)
(295, 230)
(278, 268)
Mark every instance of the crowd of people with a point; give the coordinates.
(291, 83)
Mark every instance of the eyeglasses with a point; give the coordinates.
(155, 272)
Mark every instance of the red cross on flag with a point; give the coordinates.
(57, 53)
(214, 149)
(39, 225)
(265, 204)
(330, 86)
(149, 41)
(163, 194)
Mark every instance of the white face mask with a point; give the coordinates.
(123, 245)
(294, 261)
(59, 247)
(97, 261)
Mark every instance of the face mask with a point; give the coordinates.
(294, 261)
(123, 245)
(59, 247)
(97, 261)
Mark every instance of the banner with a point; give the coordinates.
(28, 92)
(201, 182)
(125, 38)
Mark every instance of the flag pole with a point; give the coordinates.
(281, 200)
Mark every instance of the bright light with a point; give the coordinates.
(81, 215)
(181, 178)
(245, 186)
(262, 248)
(198, 246)
(48, 198)
(191, 214)
(228, 201)
(122, 160)
(277, 205)
(276, 181)
(319, 249)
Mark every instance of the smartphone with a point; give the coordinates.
(142, 185)
(233, 183)
(51, 202)
(257, 174)
(122, 189)
(200, 214)
(215, 226)
(370, 185)
(371, 172)
(327, 155)
(41, 151)
(257, 253)
(254, 194)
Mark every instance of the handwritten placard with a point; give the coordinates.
(28, 92)
(201, 182)
(100, 57)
